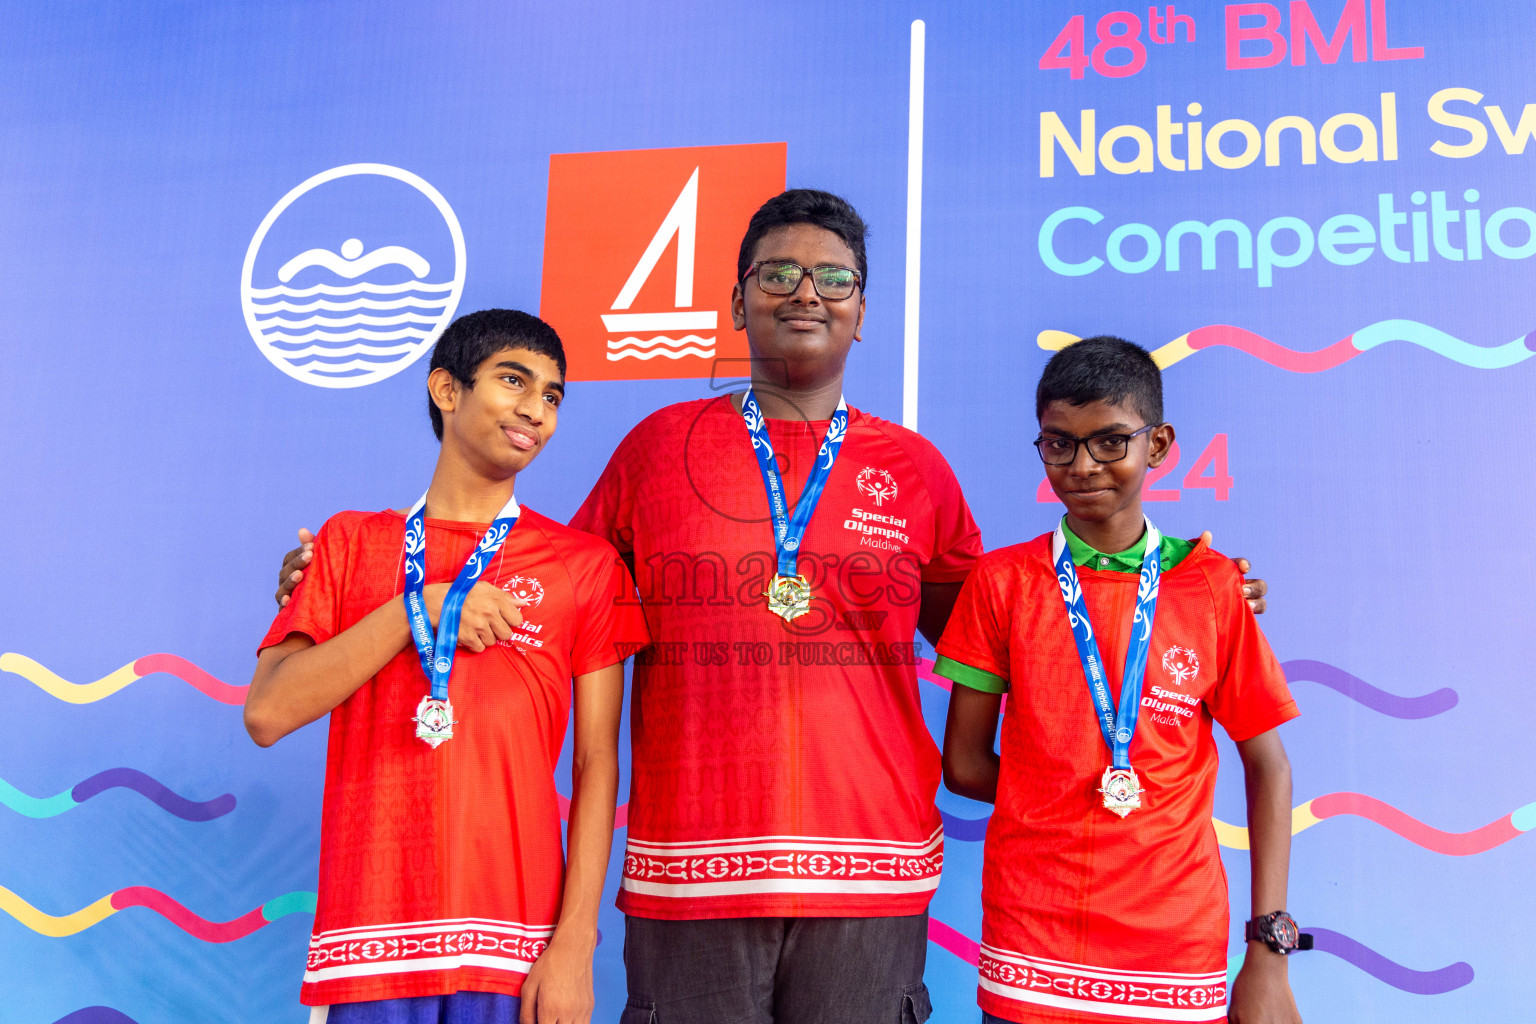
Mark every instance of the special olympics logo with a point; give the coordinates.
(1181, 664)
(362, 311)
(877, 483)
(525, 588)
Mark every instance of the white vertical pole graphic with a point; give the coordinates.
(914, 228)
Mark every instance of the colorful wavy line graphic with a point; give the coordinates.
(1362, 692)
(1452, 844)
(1318, 809)
(89, 693)
(160, 903)
(1356, 954)
(96, 1015)
(1410, 331)
(620, 813)
(1333, 805)
(965, 830)
(116, 778)
(955, 941)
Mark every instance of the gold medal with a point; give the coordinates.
(789, 597)
(1122, 791)
(789, 593)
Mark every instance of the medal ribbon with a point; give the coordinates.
(1118, 729)
(437, 653)
(789, 529)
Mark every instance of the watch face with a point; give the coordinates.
(1285, 933)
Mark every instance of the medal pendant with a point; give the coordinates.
(434, 721)
(789, 597)
(1122, 791)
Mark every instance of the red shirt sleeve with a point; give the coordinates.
(611, 627)
(609, 511)
(315, 607)
(1251, 695)
(958, 542)
(957, 538)
(978, 631)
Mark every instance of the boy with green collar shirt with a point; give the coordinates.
(1103, 894)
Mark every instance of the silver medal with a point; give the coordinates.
(434, 721)
(1122, 790)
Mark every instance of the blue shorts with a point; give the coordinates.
(458, 1008)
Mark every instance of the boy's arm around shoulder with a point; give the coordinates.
(1254, 590)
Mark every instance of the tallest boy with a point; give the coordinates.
(783, 843)
(783, 839)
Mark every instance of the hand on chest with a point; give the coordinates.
(523, 571)
(541, 611)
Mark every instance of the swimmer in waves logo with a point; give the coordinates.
(371, 306)
(877, 484)
(1181, 664)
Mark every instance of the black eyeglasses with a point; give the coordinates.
(780, 277)
(1062, 451)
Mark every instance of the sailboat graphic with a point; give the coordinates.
(682, 221)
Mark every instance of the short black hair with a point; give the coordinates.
(807, 206)
(1103, 369)
(475, 337)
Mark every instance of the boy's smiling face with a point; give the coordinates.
(504, 421)
(807, 333)
(1104, 494)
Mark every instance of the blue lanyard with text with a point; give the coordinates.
(1118, 729)
(789, 529)
(437, 653)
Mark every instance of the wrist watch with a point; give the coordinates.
(1278, 931)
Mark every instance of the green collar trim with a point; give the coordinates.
(1171, 552)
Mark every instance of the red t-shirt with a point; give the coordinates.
(780, 769)
(442, 869)
(1085, 916)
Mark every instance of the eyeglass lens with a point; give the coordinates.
(784, 278)
(1060, 451)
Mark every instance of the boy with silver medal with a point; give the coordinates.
(395, 812)
(1065, 887)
